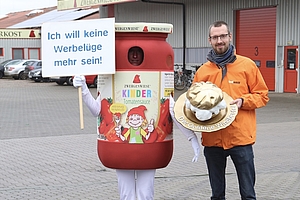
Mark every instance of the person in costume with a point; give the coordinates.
(132, 184)
(239, 78)
(135, 56)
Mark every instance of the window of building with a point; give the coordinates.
(33, 53)
(17, 53)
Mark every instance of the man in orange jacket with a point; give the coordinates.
(240, 78)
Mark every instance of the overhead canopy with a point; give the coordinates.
(54, 16)
(71, 4)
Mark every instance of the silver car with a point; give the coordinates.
(3, 64)
(16, 68)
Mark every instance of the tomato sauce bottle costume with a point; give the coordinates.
(135, 130)
(132, 184)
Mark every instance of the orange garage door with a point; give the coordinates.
(256, 39)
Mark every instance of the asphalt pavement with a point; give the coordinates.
(45, 155)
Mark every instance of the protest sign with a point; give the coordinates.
(82, 47)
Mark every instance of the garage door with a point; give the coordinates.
(256, 39)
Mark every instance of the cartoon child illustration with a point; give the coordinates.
(136, 120)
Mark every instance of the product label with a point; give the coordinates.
(135, 106)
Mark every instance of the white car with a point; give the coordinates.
(16, 68)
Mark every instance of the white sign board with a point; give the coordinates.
(83, 47)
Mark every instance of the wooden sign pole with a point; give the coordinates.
(80, 108)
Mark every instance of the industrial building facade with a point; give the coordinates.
(267, 31)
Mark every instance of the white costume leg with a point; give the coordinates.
(145, 184)
(126, 184)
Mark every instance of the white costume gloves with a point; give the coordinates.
(191, 136)
(196, 148)
(79, 81)
(93, 105)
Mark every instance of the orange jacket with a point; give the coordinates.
(243, 80)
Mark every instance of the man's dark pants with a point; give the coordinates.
(243, 159)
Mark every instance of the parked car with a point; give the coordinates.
(61, 80)
(91, 80)
(16, 68)
(3, 64)
(37, 76)
(34, 65)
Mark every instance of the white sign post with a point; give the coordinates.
(84, 47)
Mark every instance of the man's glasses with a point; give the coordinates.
(216, 37)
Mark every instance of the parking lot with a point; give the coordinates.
(45, 155)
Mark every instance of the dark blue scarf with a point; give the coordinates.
(221, 60)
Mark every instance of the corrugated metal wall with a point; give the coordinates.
(8, 44)
(201, 13)
(288, 26)
(21, 43)
(150, 12)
